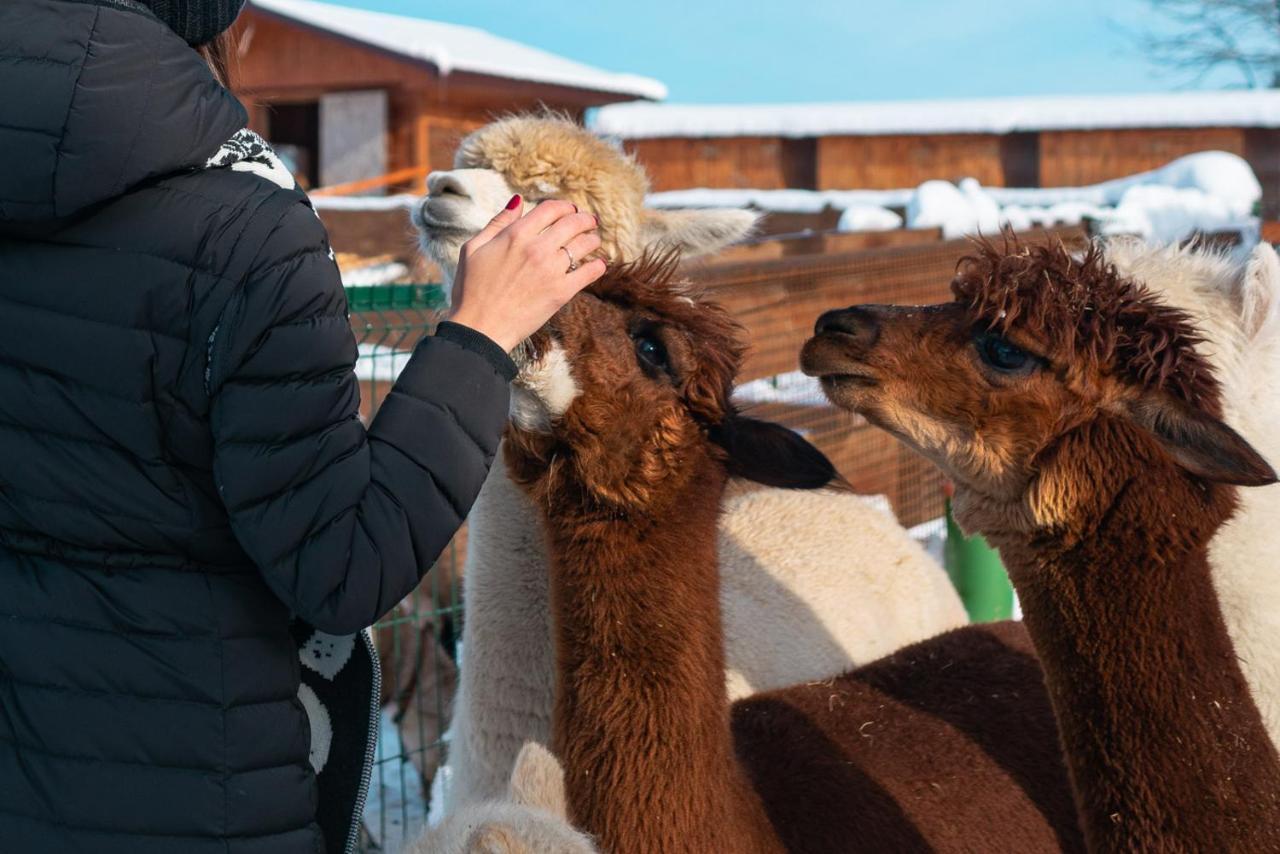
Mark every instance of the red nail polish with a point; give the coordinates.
(597, 219)
(514, 203)
(575, 208)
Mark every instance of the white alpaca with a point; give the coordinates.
(812, 582)
(533, 818)
(1237, 307)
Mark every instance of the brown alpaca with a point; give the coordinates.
(1082, 431)
(948, 745)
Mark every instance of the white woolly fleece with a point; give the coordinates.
(1237, 307)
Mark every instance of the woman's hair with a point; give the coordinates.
(218, 54)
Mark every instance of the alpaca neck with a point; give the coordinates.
(505, 694)
(1163, 740)
(642, 719)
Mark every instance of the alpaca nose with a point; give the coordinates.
(859, 324)
(446, 184)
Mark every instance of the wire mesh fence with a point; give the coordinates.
(777, 301)
(416, 642)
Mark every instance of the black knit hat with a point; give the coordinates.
(197, 21)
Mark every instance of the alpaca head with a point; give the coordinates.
(533, 820)
(1045, 385)
(550, 157)
(629, 387)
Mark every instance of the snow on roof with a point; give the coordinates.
(451, 47)
(986, 115)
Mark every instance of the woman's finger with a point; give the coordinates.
(585, 275)
(508, 215)
(544, 216)
(582, 246)
(567, 228)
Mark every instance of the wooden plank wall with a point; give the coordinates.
(1072, 158)
(759, 163)
(890, 162)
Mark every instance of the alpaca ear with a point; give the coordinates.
(773, 455)
(538, 781)
(695, 232)
(1201, 444)
(1260, 298)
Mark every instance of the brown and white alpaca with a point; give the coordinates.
(532, 819)
(803, 596)
(1083, 432)
(919, 750)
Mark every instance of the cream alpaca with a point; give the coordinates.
(803, 598)
(545, 157)
(1237, 307)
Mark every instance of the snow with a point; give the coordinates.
(364, 203)
(377, 363)
(793, 388)
(375, 274)
(868, 218)
(1209, 191)
(1217, 173)
(985, 115)
(450, 48)
(779, 201)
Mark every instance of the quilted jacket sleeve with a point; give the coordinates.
(342, 522)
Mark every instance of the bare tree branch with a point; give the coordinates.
(1202, 35)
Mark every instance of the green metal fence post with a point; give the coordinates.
(978, 575)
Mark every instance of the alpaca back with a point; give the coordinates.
(1238, 312)
(949, 744)
(815, 582)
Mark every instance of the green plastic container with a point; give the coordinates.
(978, 575)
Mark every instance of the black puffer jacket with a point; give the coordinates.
(182, 468)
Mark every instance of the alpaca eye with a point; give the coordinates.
(1001, 354)
(651, 352)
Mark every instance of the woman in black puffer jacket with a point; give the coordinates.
(182, 468)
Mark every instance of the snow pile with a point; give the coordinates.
(364, 203)
(386, 273)
(958, 210)
(1209, 191)
(1246, 108)
(779, 201)
(862, 210)
(792, 388)
(868, 218)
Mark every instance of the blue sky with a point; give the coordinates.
(814, 50)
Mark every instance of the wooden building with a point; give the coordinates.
(350, 95)
(1011, 142)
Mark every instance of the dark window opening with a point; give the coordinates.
(294, 132)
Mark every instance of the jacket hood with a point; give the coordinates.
(96, 97)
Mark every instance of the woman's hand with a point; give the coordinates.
(514, 275)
